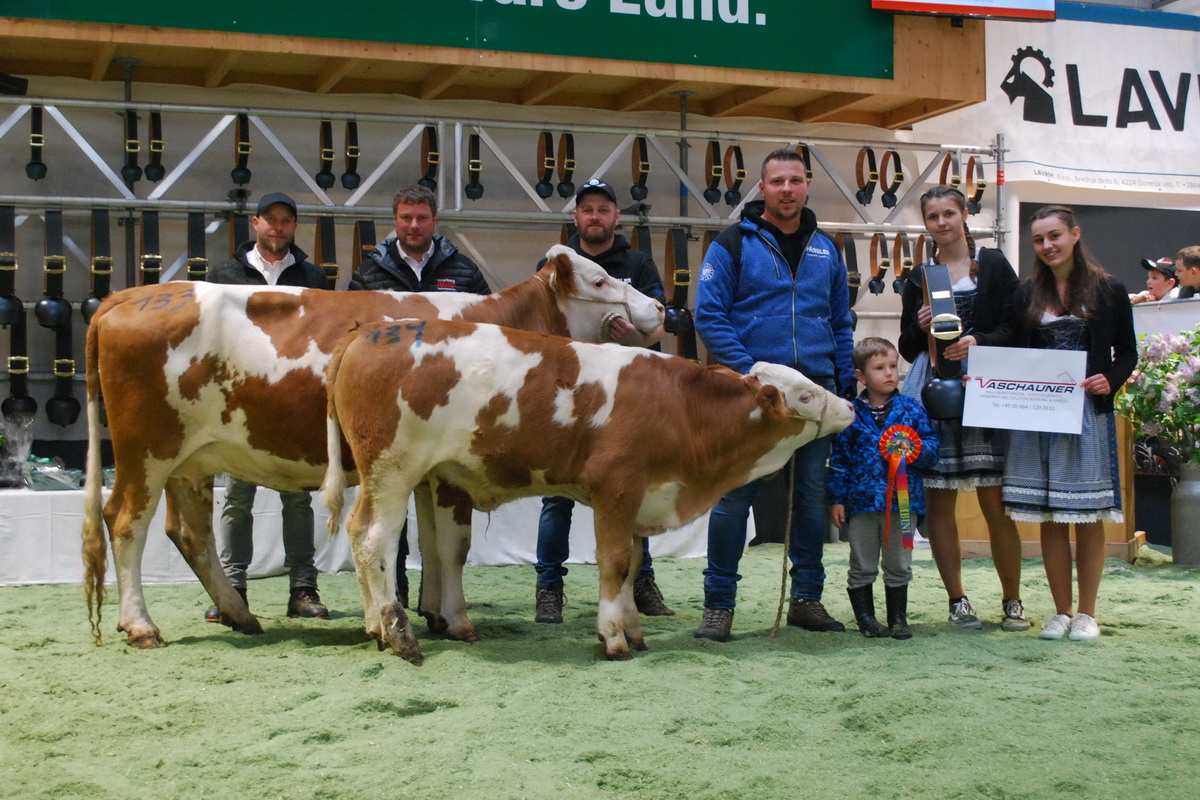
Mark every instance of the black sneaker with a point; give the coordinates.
(812, 616)
(548, 605)
(305, 602)
(213, 615)
(649, 599)
(717, 624)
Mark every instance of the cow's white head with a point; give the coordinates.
(805, 398)
(589, 297)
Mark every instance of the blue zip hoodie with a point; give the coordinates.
(757, 311)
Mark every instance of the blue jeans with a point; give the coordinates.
(727, 531)
(554, 546)
(237, 534)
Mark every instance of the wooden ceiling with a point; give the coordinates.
(938, 68)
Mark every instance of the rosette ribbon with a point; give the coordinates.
(899, 445)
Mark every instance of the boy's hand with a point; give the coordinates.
(838, 512)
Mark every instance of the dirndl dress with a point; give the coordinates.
(967, 457)
(1064, 477)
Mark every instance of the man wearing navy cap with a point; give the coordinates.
(270, 259)
(596, 216)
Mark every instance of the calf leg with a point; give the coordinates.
(618, 624)
(127, 516)
(446, 609)
(189, 526)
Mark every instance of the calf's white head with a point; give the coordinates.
(806, 399)
(589, 297)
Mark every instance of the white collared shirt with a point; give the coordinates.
(270, 271)
(417, 264)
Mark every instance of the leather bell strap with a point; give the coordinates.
(131, 172)
(715, 171)
(639, 239)
(807, 156)
(364, 241)
(241, 151)
(325, 153)
(945, 326)
(151, 263)
(566, 165)
(197, 262)
(866, 173)
(891, 178)
(14, 316)
(156, 146)
(431, 157)
(976, 184)
(639, 164)
(474, 188)
(735, 173)
(902, 260)
(8, 251)
(881, 262)
(681, 278)
(54, 264)
(327, 250)
(924, 245)
(36, 168)
(63, 408)
(845, 243)
(239, 231)
(566, 232)
(102, 262)
(350, 178)
(951, 174)
(544, 169)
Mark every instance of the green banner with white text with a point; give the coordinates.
(824, 37)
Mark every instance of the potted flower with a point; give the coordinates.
(1162, 400)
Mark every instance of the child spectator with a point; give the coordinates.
(862, 494)
(1161, 283)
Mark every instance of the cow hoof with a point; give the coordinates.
(619, 654)
(399, 634)
(251, 628)
(145, 641)
(435, 622)
(466, 635)
(639, 645)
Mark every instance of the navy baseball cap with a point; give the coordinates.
(271, 199)
(1164, 265)
(596, 185)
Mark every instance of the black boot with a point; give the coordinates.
(862, 601)
(897, 611)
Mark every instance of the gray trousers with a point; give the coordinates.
(865, 532)
(237, 534)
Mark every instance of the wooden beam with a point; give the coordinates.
(645, 91)
(543, 86)
(439, 81)
(918, 110)
(331, 73)
(828, 106)
(219, 67)
(737, 99)
(100, 61)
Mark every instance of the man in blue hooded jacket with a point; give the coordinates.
(773, 288)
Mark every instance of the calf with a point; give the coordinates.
(203, 378)
(650, 441)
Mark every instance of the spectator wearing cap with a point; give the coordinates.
(1161, 283)
(596, 217)
(271, 259)
(1187, 271)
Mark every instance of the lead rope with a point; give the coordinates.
(787, 544)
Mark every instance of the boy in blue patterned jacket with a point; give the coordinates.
(858, 487)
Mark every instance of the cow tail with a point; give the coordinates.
(95, 545)
(333, 488)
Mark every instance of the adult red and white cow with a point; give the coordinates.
(203, 378)
(648, 440)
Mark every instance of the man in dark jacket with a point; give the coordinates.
(416, 260)
(596, 217)
(270, 259)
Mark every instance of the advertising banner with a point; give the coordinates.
(1024, 389)
(996, 9)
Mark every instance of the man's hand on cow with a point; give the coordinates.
(621, 331)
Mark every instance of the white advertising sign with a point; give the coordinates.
(1023, 389)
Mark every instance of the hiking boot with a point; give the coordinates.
(649, 599)
(1014, 617)
(305, 602)
(812, 616)
(716, 624)
(862, 601)
(549, 604)
(213, 615)
(897, 611)
(1083, 628)
(962, 614)
(1055, 626)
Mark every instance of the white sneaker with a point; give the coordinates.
(1055, 626)
(1083, 628)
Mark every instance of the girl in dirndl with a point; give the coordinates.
(971, 459)
(1058, 479)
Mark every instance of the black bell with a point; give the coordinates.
(131, 173)
(888, 200)
(898, 285)
(943, 398)
(677, 320)
(875, 285)
(473, 190)
(62, 410)
(10, 310)
(638, 192)
(428, 183)
(18, 405)
(712, 196)
(324, 179)
(350, 180)
(565, 189)
(89, 306)
(36, 170)
(155, 172)
(863, 196)
(974, 206)
(733, 197)
(240, 175)
(544, 188)
(53, 312)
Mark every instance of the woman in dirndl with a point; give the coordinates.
(971, 459)
(1058, 479)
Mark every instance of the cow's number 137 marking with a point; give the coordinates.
(392, 333)
(167, 301)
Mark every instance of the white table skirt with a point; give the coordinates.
(40, 539)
